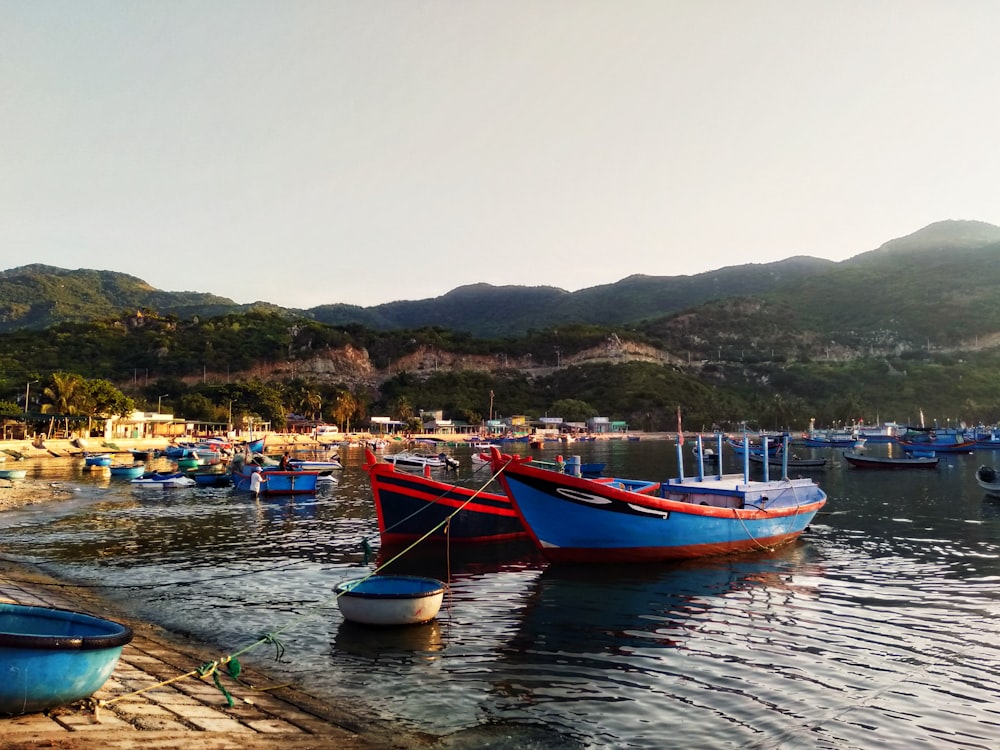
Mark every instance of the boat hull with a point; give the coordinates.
(52, 657)
(390, 600)
(884, 463)
(411, 507)
(581, 521)
(162, 481)
(988, 480)
(278, 482)
(129, 472)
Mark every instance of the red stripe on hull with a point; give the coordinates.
(659, 554)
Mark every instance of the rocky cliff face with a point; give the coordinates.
(352, 366)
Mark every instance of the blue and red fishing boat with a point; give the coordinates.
(412, 506)
(936, 440)
(586, 521)
(273, 481)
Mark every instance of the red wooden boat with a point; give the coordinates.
(411, 506)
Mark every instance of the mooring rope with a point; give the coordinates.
(231, 661)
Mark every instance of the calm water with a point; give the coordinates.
(879, 628)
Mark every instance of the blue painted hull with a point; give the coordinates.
(129, 472)
(582, 521)
(939, 446)
(279, 482)
(411, 506)
(52, 657)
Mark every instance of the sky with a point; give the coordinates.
(307, 153)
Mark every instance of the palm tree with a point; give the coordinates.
(343, 409)
(65, 394)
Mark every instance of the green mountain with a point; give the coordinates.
(39, 296)
(936, 285)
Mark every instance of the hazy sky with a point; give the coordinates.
(305, 153)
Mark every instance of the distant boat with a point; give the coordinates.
(332, 464)
(773, 446)
(792, 462)
(832, 440)
(589, 521)
(933, 439)
(274, 481)
(13, 473)
(988, 479)
(863, 461)
(419, 460)
(127, 470)
(96, 459)
(162, 480)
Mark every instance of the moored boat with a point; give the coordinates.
(332, 464)
(792, 462)
(584, 521)
(390, 599)
(13, 473)
(864, 461)
(163, 480)
(53, 657)
(210, 476)
(411, 506)
(97, 459)
(273, 481)
(832, 440)
(988, 480)
(742, 446)
(131, 471)
(933, 439)
(419, 460)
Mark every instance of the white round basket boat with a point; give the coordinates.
(390, 600)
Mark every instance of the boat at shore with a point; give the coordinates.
(575, 520)
(865, 461)
(52, 657)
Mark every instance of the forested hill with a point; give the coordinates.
(939, 282)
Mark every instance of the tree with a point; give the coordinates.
(344, 406)
(65, 393)
(106, 400)
(573, 410)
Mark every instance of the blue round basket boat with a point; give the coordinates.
(390, 600)
(51, 657)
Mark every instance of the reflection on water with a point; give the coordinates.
(878, 628)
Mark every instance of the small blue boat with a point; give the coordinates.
(129, 471)
(52, 657)
(274, 481)
(96, 459)
(210, 478)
